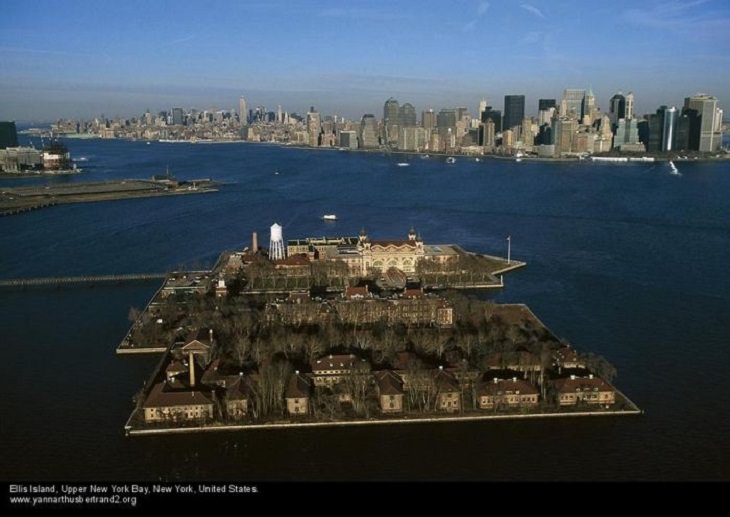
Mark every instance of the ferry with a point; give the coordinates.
(329, 217)
(451, 160)
(403, 164)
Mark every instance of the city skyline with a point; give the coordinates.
(83, 59)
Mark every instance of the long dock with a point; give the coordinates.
(68, 280)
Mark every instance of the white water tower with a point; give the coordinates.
(276, 245)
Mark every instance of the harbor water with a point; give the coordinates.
(625, 260)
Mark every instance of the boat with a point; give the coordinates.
(425, 157)
(450, 159)
(477, 160)
(329, 217)
(403, 164)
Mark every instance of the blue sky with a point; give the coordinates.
(83, 58)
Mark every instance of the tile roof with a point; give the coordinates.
(298, 387)
(159, 396)
(389, 382)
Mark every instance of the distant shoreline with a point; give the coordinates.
(525, 158)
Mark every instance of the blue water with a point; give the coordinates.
(627, 261)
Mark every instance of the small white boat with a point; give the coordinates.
(329, 217)
(403, 164)
(477, 160)
(425, 157)
(450, 159)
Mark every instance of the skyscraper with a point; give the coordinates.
(545, 104)
(493, 115)
(8, 135)
(617, 107)
(482, 107)
(242, 111)
(705, 133)
(368, 132)
(669, 130)
(314, 126)
(177, 116)
(629, 105)
(390, 119)
(428, 119)
(407, 115)
(571, 105)
(514, 110)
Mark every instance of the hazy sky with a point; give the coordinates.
(85, 58)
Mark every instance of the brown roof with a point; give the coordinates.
(298, 387)
(445, 381)
(175, 367)
(389, 382)
(211, 374)
(351, 292)
(507, 385)
(335, 362)
(569, 385)
(237, 387)
(396, 243)
(159, 397)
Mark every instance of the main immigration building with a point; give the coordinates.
(363, 255)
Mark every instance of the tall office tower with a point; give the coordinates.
(627, 133)
(629, 105)
(669, 129)
(488, 133)
(564, 129)
(482, 107)
(428, 119)
(705, 132)
(590, 110)
(514, 110)
(407, 115)
(545, 104)
(571, 105)
(368, 132)
(177, 117)
(390, 119)
(545, 116)
(526, 135)
(493, 115)
(617, 107)
(462, 113)
(279, 114)
(314, 126)
(243, 111)
(8, 135)
(446, 119)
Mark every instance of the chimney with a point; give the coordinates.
(254, 242)
(191, 369)
(210, 334)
